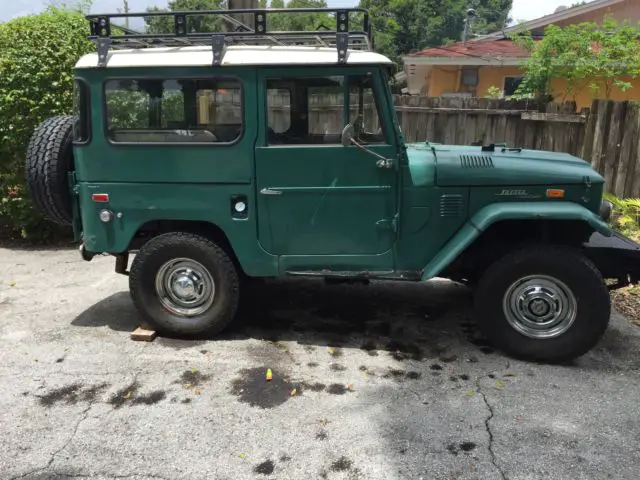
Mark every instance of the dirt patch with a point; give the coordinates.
(314, 387)
(337, 389)
(150, 398)
(252, 387)
(265, 468)
(626, 301)
(71, 394)
(192, 378)
(341, 465)
(124, 395)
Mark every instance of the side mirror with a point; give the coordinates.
(347, 135)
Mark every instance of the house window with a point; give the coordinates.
(469, 77)
(173, 111)
(511, 84)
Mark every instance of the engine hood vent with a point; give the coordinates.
(476, 161)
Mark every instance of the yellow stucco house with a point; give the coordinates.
(470, 68)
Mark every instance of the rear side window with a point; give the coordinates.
(81, 126)
(173, 111)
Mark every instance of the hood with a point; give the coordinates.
(458, 165)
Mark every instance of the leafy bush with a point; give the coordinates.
(625, 217)
(37, 57)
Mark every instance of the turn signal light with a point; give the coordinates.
(100, 197)
(555, 193)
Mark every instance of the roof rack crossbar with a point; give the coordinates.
(104, 32)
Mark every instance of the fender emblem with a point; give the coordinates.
(521, 193)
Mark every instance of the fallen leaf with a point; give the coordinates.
(499, 384)
(197, 391)
(128, 395)
(269, 375)
(293, 392)
(350, 387)
(470, 393)
(330, 350)
(243, 456)
(323, 421)
(12, 283)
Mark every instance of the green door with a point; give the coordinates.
(322, 205)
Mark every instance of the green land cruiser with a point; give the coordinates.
(221, 157)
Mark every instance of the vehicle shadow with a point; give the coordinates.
(410, 320)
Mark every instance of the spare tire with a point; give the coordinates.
(49, 160)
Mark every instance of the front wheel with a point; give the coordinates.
(543, 303)
(184, 285)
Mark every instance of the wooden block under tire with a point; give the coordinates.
(144, 333)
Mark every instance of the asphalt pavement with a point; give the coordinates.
(385, 381)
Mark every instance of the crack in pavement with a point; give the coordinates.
(83, 417)
(489, 432)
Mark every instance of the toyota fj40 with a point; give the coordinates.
(206, 154)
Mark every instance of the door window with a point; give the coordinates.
(314, 110)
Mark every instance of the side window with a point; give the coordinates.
(364, 112)
(314, 112)
(173, 111)
(81, 126)
(311, 110)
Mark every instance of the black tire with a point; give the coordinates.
(142, 285)
(577, 273)
(49, 160)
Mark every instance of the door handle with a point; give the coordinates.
(268, 191)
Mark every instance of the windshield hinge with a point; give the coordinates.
(219, 47)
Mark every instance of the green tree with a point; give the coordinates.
(584, 55)
(297, 21)
(403, 26)
(199, 23)
(37, 57)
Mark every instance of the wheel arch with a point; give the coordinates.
(498, 227)
(206, 229)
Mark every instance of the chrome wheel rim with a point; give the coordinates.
(540, 306)
(185, 287)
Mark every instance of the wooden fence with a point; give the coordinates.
(607, 134)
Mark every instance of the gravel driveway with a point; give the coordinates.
(391, 381)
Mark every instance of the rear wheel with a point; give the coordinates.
(543, 303)
(184, 285)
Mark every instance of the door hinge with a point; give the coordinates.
(73, 183)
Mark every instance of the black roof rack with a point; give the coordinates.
(342, 37)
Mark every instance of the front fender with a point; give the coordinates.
(497, 212)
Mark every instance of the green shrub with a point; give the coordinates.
(625, 217)
(37, 57)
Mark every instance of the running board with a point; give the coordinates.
(405, 275)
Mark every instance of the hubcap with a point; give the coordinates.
(539, 306)
(185, 287)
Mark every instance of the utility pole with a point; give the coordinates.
(126, 10)
(471, 14)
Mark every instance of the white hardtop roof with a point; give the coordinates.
(235, 55)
